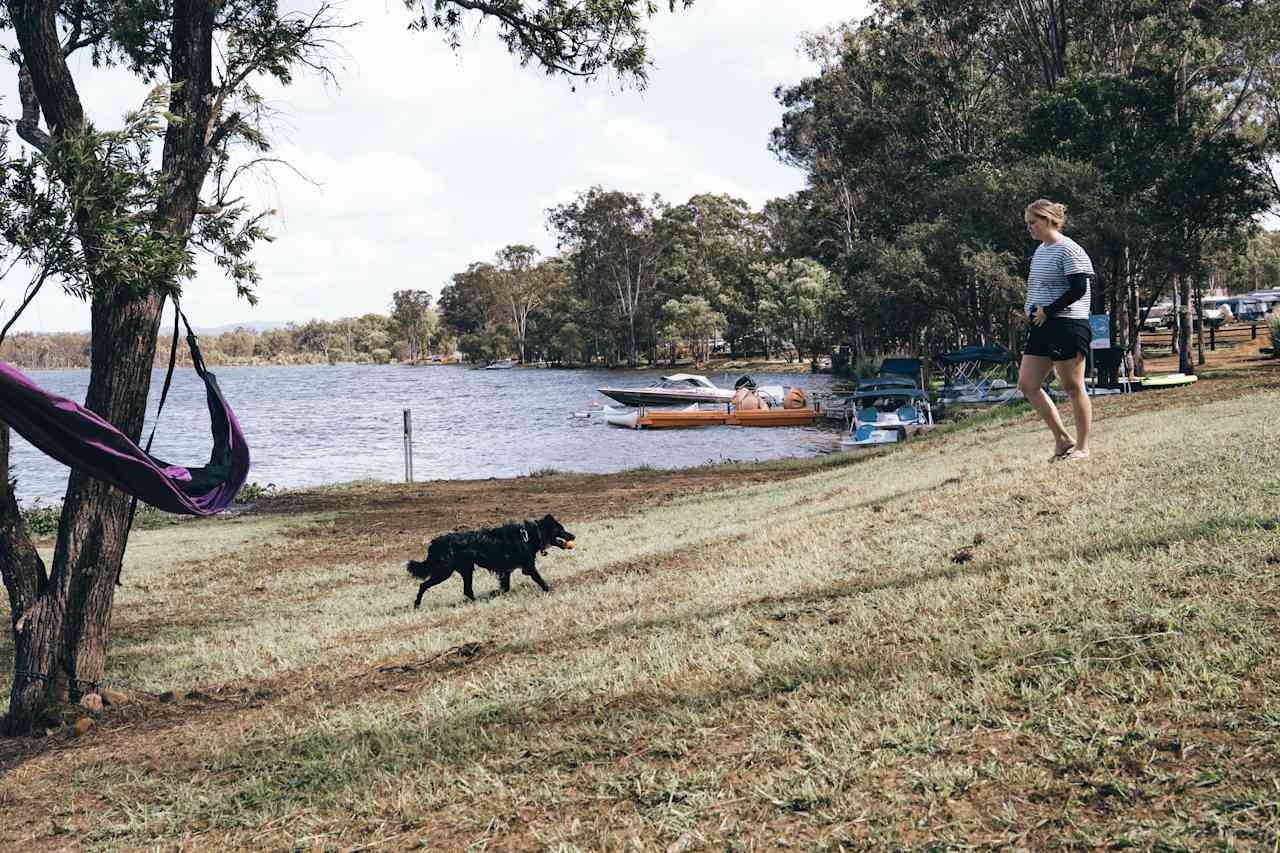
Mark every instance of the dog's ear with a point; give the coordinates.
(549, 517)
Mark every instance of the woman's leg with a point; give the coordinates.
(1031, 376)
(1071, 378)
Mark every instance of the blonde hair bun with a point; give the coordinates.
(1052, 212)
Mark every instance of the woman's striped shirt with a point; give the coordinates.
(1050, 266)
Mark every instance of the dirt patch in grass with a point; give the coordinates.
(425, 509)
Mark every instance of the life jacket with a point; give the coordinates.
(747, 399)
(795, 399)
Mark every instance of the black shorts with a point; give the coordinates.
(1059, 338)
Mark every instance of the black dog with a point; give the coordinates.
(499, 549)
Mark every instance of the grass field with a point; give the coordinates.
(951, 645)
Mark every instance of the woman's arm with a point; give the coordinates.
(1077, 284)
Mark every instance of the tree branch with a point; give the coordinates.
(29, 125)
(32, 289)
(35, 24)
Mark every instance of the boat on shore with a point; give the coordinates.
(887, 416)
(671, 390)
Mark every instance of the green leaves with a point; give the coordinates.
(575, 39)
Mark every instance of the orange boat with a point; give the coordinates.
(772, 417)
(678, 420)
(687, 418)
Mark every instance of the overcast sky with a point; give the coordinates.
(427, 160)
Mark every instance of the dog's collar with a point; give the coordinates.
(537, 535)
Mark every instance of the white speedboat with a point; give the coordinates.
(503, 364)
(673, 390)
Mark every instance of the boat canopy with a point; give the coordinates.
(688, 379)
(909, 367)
(989, 354)
(876, 383)
(910, 394)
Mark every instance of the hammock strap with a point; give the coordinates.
(164, 393)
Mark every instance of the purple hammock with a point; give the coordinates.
(83, 440)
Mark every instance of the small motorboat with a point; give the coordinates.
(501, 364)
(869, 435)
(887, 416)
(671, 390)
(979, 393)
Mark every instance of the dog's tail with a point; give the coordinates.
(418, 569)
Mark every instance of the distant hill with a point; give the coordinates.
(254, 325)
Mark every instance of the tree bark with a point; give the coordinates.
(1184, 325)
(36, 625)
(1135, 316)
(1198, 307)
(61, 625)
(95, 515)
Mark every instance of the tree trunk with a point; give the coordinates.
(1135, 315)
(61, 625)
(1184, 326)
(633, 356)
(36, 625)
(95, 515)
(1198, 306)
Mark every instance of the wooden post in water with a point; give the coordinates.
(408, 446)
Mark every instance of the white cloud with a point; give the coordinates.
(428, 159)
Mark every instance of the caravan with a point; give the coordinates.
(1244, 308)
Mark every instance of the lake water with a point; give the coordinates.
(309, 426)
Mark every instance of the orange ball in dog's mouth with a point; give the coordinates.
(569, 545)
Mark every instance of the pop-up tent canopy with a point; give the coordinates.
(976, 355)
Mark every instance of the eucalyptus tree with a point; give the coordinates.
(1155, 121)
(411, 320)
(691, 319)
(521, 284)
(711, 243)
(799, 295)
(137, 224)
(615, 247)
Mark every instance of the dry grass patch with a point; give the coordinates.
(802, 661)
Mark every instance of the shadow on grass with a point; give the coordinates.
(398, 744)
(771, 682)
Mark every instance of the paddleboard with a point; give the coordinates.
(1168, 380)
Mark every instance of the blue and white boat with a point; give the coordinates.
(886, 416)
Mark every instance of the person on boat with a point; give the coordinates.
(1057, 308)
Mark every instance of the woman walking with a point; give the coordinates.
(1058, 310)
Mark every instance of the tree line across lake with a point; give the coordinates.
(927, 128)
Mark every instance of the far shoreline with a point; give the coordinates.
(731, 366)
